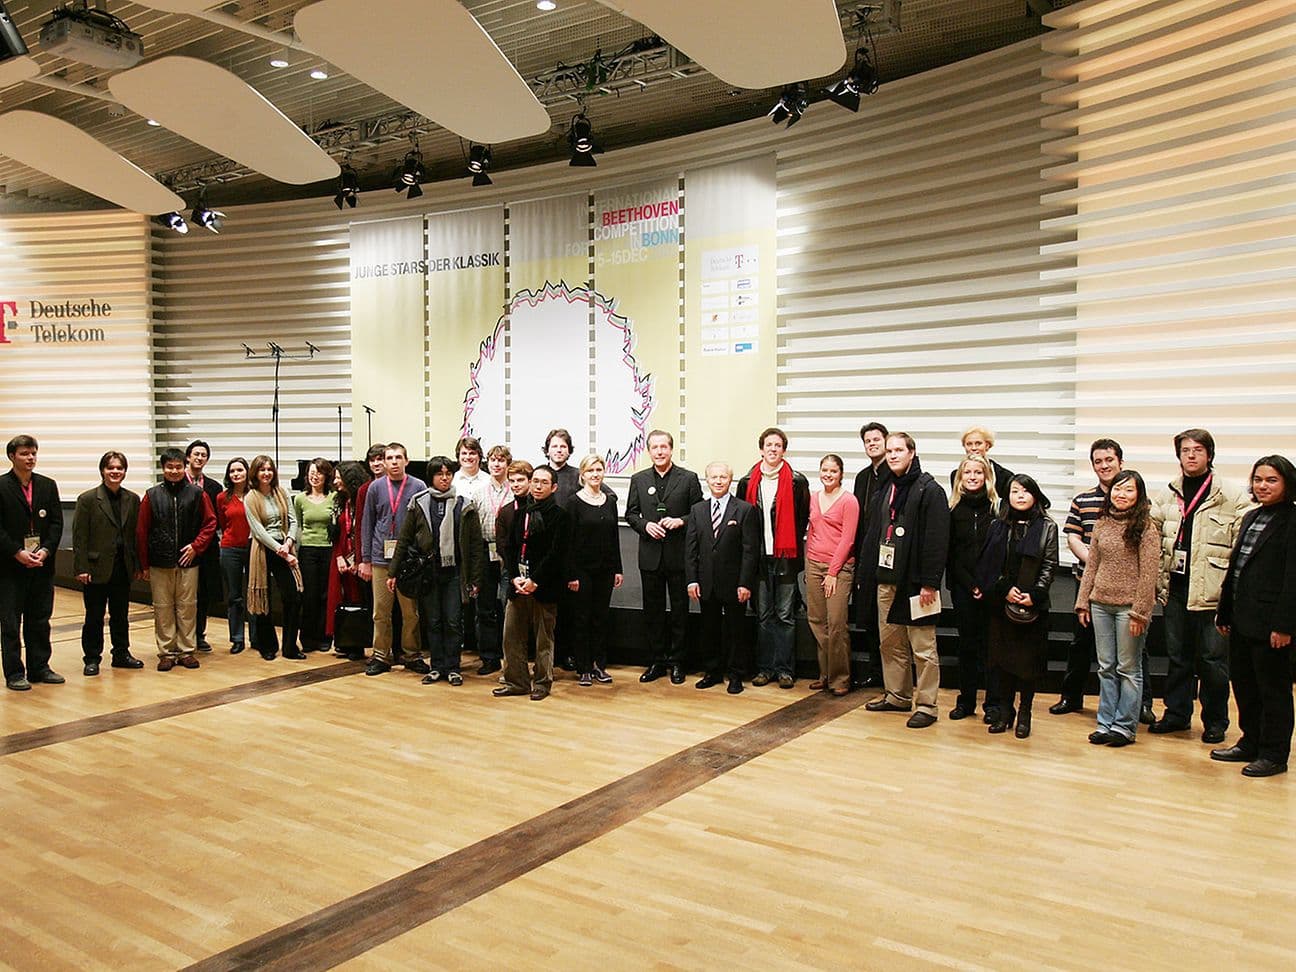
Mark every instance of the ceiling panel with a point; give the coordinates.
(209, 105)
(22, 68)
(63, 151)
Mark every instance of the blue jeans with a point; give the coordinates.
(776, 634)
(1120, 672)
(234, 568)
(1197, 666)
(441, 614)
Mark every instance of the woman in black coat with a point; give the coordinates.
(594, 566)
(1257, 610)
(1013, 577)
(974, 503)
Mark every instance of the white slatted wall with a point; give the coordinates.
(1177, 149)
(910, 273)
(78, 399)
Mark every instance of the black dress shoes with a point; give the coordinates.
(958, 712)
(295, 655)
(417, 665)
(1063, 706)
(708, 680)
(489, 667)
(1213, 735)
(735, 686)
(883, 704)
(1146, 716)
(18, 683)
(1163, 726)
(1233, 754)
(126, 661)
(921, 720)
(654, 672)
(1101, 737)
(1263, 767)
(677, 674)
(47, 677)
(91, 669)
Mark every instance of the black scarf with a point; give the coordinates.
(994, 555)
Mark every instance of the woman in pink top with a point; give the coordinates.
(830, 574)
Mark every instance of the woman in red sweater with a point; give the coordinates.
(235, 537)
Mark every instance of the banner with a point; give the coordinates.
(730, 310)
(636, 273)
(388, 265)
(465, 301)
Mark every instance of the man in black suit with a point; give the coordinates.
(722, 548)
(209, 573)
(31, 526)
(104, 559)
(657, 509)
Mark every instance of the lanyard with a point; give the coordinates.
(1187, 511)
(503, 495)
(31, 513)
(395, 500)
(526, 532)
(891, 503)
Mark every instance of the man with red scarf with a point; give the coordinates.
(783, 498)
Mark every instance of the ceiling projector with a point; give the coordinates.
(92, 37)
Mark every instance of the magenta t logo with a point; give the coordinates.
(10, 307)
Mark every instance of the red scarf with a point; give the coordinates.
(785, 538)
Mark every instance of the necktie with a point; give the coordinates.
(715, 517)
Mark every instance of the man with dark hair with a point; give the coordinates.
(31, 526)
(657, 508)
(105, 560)
(904, 557)
(176, 525)
(867, 483)
(558, 451)
(783, 497)
(197, 455)
(469, 479)
(1198, 514)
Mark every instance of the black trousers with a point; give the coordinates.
(264, 638)
(1262, 688)
(665, 632)
(866, 620)
(209, 588)
(593, 609)
(314, 602)
(488, 613)
(726, 647)
(973, 619)
(1080, 656)
(26, 603)
(115, 597)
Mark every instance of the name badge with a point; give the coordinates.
(1180, 565)
(524, 569)
(31, 544)
(389, 549)
(886, 556)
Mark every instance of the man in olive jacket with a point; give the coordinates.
(104, 560)
(902, 557)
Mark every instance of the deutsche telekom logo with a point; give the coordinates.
(8, 310)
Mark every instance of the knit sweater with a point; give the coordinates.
(1118, 575)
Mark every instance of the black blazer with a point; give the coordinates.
(1262, 597)
(96, 532)
(720, 565)
(44, 518)
(920, 554)
(213, 489)
(679, 492)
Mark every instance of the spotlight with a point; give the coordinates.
(546, 5)
(153, 123)
(278, 61)
(479, 163)
(207, 218)
(791, 105)
(580, 136)
(410, 174)
(348, 187)
(319, 74)
(862, 80)
(173, 221)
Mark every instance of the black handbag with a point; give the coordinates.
(416, 568)
(352, 627)
(1020, 613)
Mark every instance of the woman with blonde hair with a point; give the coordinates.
(273, 554)
(974, 503)
(594, 568)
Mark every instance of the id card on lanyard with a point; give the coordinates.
(524, 569)
(389, 543)
(31, 542)
(1179, 565)
(887, 549)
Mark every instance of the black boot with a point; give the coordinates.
(1024, 715)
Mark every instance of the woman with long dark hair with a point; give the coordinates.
(235, 538)
(594, 566)
(344, 586)
(830, 574)
(272, 555)
(1117, 593)
(1257, 610)
(314, 513)
(974, 503)
(1013, 577)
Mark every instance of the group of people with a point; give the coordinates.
(510, 558)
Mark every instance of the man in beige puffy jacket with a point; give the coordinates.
(1198, 514)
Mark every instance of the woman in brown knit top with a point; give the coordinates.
(1117, 593)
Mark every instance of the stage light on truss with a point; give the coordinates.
(411, 174)
(173, 221)
(862, 80)
(348, 187)
(206, 217)
(479, 163)
(790, 106)
(580, 137)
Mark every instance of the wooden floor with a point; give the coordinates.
(299, 815)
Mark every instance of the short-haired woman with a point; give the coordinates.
(272, 555)
(315, 511)
(594, 566)
(1117, 593)
(235, 540)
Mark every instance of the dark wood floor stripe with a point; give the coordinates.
(351, 927)
(21, 742)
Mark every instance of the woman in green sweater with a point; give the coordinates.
(315, 510)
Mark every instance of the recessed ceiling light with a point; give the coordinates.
(319, 74)
(278, 62)
(155, 123)
(546, 5)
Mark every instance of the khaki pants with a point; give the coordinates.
(903, 646)
(175, 609)
(828, 620)
(382, 612)
(523, 615)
